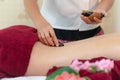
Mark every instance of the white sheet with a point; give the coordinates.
(26, 78)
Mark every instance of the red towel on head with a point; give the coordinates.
(16, 43)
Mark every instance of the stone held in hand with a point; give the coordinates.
(91, 15)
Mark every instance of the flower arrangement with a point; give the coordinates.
(104, 65)
(72, 72)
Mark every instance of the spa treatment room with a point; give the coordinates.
(59, 40)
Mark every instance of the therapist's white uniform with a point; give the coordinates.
(65, 14)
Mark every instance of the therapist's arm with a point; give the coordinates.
(33, 10)
(104, 5)
(45, 31)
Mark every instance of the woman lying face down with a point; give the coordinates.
(21, 53)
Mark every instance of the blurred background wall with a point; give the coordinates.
(117, 15)
(12, 12)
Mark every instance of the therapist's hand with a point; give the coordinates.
(88, 21)
(47, 35)
(94, 18)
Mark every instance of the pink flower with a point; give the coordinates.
(104, 65)
(68, 76)
(86, 65)
(76, 65)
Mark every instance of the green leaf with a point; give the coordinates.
(59, 71)
(87, 78)
(93, 69)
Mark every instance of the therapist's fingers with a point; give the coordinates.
(97, 20)
(54, 38)
(49, 39)
(86, 19)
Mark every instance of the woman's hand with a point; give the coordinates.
(47, 35)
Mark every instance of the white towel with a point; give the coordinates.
(26, 78)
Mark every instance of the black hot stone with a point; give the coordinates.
(61, 44)
(87, 13)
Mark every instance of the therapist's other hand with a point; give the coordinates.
(93, 17)
(88, 21)
(47, 35)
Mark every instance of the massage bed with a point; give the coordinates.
(15, 57)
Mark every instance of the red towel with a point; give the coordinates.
(16, 43)
(113, 75)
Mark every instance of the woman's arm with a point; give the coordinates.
(44, 57)
(45, 31)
